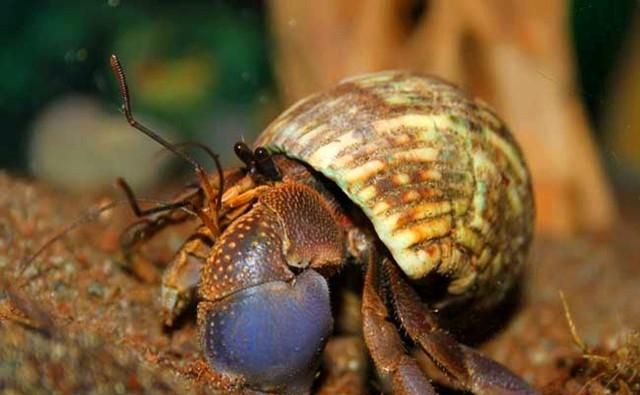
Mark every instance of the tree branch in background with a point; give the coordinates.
(515, 55)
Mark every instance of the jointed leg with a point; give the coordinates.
(151, 221)
(235, 201)
(144, 229)
(469, 368)
(385, 344)
(139, 212)
(147, 228)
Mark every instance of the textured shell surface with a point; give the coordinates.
(438, 174)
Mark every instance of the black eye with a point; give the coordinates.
(244, 153)
(261, 154)
(265, 163)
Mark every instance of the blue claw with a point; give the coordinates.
(272, 334)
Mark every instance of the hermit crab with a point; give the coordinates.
(401, 174)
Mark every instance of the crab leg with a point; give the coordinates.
(190, 198)
(385, 345)
(180, 279)
(469, 368)
(145, 228)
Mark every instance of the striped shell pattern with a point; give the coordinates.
(437, 173)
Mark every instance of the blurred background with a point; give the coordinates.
(564, 74)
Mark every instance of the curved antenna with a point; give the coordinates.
(216, 159)
(91, 215)
(139, 212)
(118, 71)
(126, 107)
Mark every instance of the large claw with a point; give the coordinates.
(271, 335)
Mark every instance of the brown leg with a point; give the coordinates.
(234, 201)
(384, 342)
(139, 212)
(191, 198)
(150, 222)
(135, 235)
(470, 369)
(234, 205)
(145, 229)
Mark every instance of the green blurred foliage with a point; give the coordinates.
(599, 28)
(184, 60)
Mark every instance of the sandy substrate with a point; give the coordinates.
(78, 321)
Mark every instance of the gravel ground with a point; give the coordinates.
(78, 321)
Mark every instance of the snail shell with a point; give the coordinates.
(438, 174)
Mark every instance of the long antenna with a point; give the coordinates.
(212, 222)
(89, 216)
(126, 107)
(216, 159)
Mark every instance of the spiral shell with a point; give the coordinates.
(438, 174)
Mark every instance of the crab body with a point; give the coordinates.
(400, 173)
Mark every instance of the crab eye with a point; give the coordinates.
(244, 153)
(264, 160)
(271, 334)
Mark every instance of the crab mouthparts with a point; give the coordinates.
(272, 334)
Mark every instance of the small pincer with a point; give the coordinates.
(180, 280)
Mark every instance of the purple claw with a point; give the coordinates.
(272, 334)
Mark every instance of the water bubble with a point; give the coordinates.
(69, 56)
